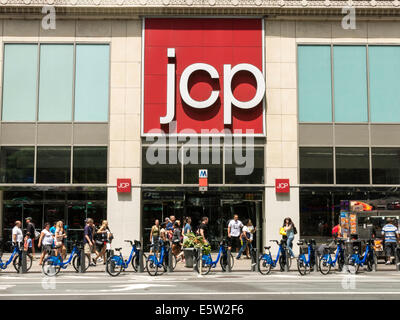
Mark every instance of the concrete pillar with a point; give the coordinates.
(277, 208)
(123, 214)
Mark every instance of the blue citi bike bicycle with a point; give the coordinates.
(116, 263)
(157, 262)
(207, 262)
(266, 263)
(305, 264)
(16, 258)
(368, 258)
(53, 264)
(326, 262)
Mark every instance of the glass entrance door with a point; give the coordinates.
(245, 209)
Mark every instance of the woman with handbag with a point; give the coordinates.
(289, 230)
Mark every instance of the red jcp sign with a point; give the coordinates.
(123, 185)
(203, 74)
(282, 186)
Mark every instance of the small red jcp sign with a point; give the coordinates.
(282, 186)
(123, 185)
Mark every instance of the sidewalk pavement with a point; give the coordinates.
(243, 264)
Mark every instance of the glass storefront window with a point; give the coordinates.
(208, 158)
(352, 166)
(384, 70)
(252, 158)
(20, 82)
(166, 172)
(350, 83)
(17, 164)
(385, 165)
(92, 82)
(90, 165)
(316, 165)
(314, 83)
(53, 165)
(56, 82)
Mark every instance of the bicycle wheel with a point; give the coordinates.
(151, 265)
(135, 263)
(302, 265)
(114, 265)
(282, 262)
(16, 262)
(205, 264)
(370, 261)
(324, 264)
(264, 266)
(50, 267)
(353, 265)
(224, 262)
(341, 262)
(76, 262)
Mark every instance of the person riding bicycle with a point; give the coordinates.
(391, 234)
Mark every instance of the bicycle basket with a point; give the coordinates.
(303, 250)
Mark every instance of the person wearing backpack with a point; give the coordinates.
(30, 228)
(290, 230)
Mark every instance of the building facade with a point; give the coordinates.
(84, 105)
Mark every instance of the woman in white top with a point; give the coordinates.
(45, 241)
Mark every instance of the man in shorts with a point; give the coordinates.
(88, 241)
(234, 230)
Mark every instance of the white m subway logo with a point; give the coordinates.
(229, 99)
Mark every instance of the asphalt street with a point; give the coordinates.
(188, 285)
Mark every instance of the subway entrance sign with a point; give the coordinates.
(203, 179)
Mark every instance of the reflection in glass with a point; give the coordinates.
(316, 165)
(17, 164)
(253, 156)
(352, 166)
(53, 165)
(166, 172)
(386, 165)
(90, 165)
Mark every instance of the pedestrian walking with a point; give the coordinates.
(155, 235)
(290, 230)
(28, 243)
(30, 227)
(187, 228)
(245, 238)
(102, 235)
(45, 242)
(59, 238)
(252, 230)
(53, 228)
(88, 240)
(203, 228)
(176, 241)
(170, 227)
(391, 234)
(234, 231)
(16, 234)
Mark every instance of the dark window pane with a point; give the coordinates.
(251, 158)
(159, 167)
(208, 158)
(90, 165)
(316, 165)
(16, 164)
(53, 165)
(352, 165)
(386, 165)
